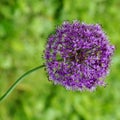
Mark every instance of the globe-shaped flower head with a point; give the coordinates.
(78, 56)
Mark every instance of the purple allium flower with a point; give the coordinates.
(78, 56)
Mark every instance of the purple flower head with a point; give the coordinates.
(78, 56)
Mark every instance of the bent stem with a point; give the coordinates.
(18, 81)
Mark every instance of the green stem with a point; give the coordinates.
(18, 81)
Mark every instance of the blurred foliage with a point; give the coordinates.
(24, 28)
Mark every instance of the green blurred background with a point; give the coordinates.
(24, 29)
